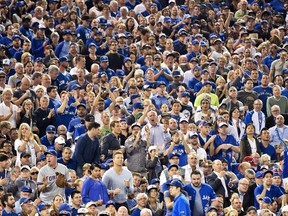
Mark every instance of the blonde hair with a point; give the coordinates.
(20, 128)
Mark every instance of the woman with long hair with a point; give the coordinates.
(249, 143)
(153, 164)
(237, 122)
(130, 25)
(93, 188)
(56, 202)
(26, 114)
(26, 143)
(153, 200)
(29, 68)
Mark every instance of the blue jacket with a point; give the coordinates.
(93, 190)
(37, 47)
(181, 206)
(70, 165)
(83, 33)
(207, 195)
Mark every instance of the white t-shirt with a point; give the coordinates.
(30, 148)
(5, 110)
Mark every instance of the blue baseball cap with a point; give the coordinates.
(203, 123)
(66, 32)
(176, 73)
(185, 94)
(197, 67)
(63, 59)
(24, 200)
(109, 160)
(112, 89)
(167, 19)
(172, 165)
(173, 154)
(16, 36)
(65, 207)
(161, 83)
(110, 202)
(103, 21)
(26, 188)
(195, 42)
(92, 44)
(102, 74)
(127, 59)
(204, 71)
(138, 105)
(50, 129)
(51, 152)
(20, 4)
(285, 71)
(176, 183)
(76, 86)
(104, 58)
(81, 105)
(120, 73)
(154, 181)
(42, 205)
(104, 166)
(213, 35)
(134, 96)
(267, 200)
(210, 208)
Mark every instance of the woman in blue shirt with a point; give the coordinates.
(93, 188)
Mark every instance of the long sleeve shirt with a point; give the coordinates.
(86, 150)
(94, 190)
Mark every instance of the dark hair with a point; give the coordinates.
(263, 129)
(93, 166)
(113, 123)
(250, 124)
(74, 192)
(50, 88)
(232, 110)
(93, 125)
(5, 198)
(196, 172)
(5, 141)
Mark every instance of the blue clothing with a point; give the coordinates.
(207, 195)
(285, 92)
(5, 213)
(70, 165)
(124, 52)
(273, 193)
(53, 103)
(198, 86)
(6, 41)
(13, 51)
(180, 47)
(27, 32)
(66, 9)
(44, 141)
(181, 206)
(86, 150)
(108, 71)
(192, 83)
(62, 49)
(228, 154)
(276, 132)
(263, 94)
(162, 76)
(93, 190)
(83, 33)
(37, 47)
(180, 149)
(158, 100)
(269, 59)
(65, 117)
(270, 150)
(63, 81)
(76, 126)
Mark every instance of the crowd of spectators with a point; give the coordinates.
(152, 107)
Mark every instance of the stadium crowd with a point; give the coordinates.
(129, 107)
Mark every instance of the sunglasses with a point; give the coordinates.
(34, 173)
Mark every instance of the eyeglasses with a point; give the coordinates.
(34, 173)
(2, 77)
(50, 132)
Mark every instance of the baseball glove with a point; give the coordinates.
(60, 180)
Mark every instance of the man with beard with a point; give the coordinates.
(247, 96)
(202, 195)
(66, 159)
(8, 202)
(73, 50)
(25, 28)
(115, 59)
(16, 45)
(47, 176)
(104, 66)
(26, 47)
(76, 126)
(63, 76)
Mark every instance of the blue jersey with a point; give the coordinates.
(270, 150)
(180, 149)
(162, 76)
(181, 206)
(5, 213)
(45, 141)
(70, 165)
(207, 195)
(76, 126)
(67, 115)
(273, 193)
(263, 94)
(83, 33)
(227, 154)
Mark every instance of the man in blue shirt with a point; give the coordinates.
(76, 126)
(181, 205)
(8, 202)
(87, 148)
(265, 146)
(200, 195)
(225, 144)
(83, 31)
(49, 139)
(267, 189)
(160, 98)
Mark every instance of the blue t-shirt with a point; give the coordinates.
(270, 150)
(179, 149)
(273, 193)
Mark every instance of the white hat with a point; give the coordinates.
(151, 148)
(6, 62)
(25, 167)
(82, 211)
(60, 140)
(170, 1)
(90, 204)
